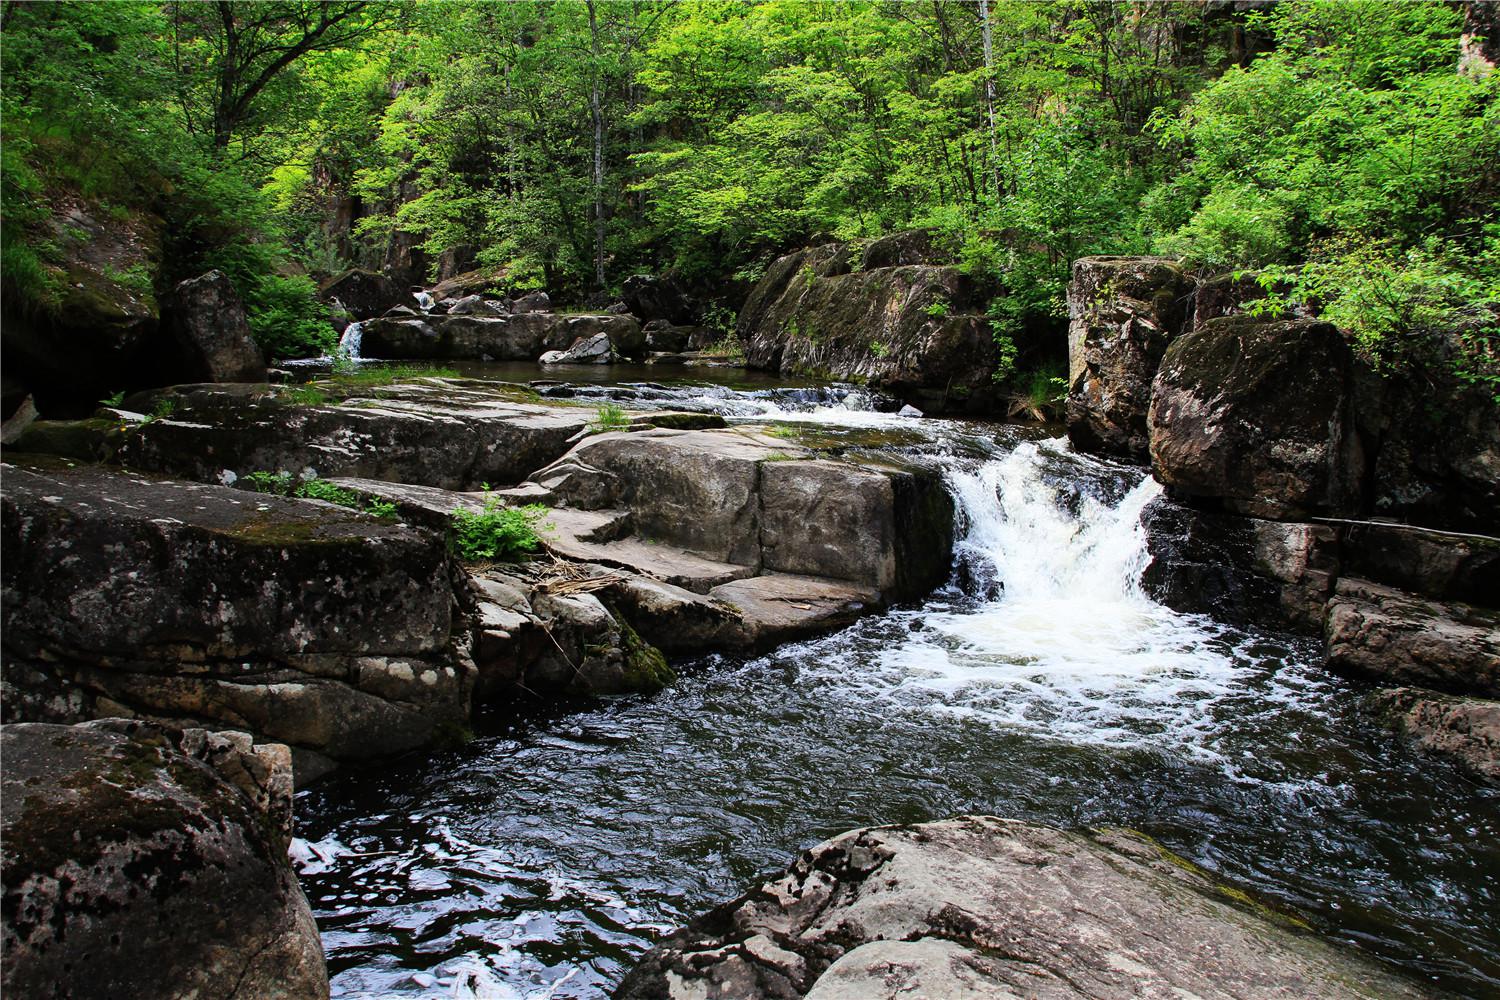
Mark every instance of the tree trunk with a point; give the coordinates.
(596, 111)
(989, 92)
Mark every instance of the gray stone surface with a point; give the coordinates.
(1395, 637)
(979, 907)
(299, 621)
(149, 862)
(207, 321)
(448, 433)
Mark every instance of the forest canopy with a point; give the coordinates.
(1333, 146)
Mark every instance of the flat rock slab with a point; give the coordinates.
(782, 607)
(146, 862)
(296, 620)
(456, 435)
(1391, 636)
(1465, 730)
(980, 907)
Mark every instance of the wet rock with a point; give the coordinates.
(1259, 417)
(916, 329)
(651, 297)
(298, 621)
(145, 861)
(1122, 314)
(436, 432)
(979, 907)
(1270, 573)
(595, 350)
(17, 422)
(1395, 637)
(492, 281)
(1465, 730)
(207, 320)
(522, 336)
(364, 294)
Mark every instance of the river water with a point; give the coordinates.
(541, 859)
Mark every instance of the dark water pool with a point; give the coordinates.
(544, 857)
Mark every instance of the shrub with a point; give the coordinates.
(496, 532)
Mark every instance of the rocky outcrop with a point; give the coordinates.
(98, 330)
(979, 907)
(436, 432)
(914, 329)
(520, 336)
(207, 321)
(1395, 637)
(1122, 314)
(363, 293)
(144, 861)
(300, 622)
(1464, 730)
(1259, 417)
(746, 499)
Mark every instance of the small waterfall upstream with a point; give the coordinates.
(541, 859)
(352, 340)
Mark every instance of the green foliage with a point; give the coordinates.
(496, 532)
(937, 309)
(164, 407)
(878, 349)
(365, 376)
(609, 417)
(284, 484)
(304, 395)
(1038, 394)
(113, 400)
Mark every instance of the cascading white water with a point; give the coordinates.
(424, 301)
(1059, 638)
(352, 340)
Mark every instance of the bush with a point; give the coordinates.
(496, 532)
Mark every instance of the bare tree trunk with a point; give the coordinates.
(989, 92)
(596, 111)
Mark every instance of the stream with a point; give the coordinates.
(541, 859)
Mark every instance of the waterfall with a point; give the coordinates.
(424, 301)
(349, 343)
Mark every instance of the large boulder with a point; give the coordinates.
(149, 862)
(1260, 417)
(298, 621)
(914, 329)
(649, 297)
(207, 320)
(595, 350)
(436, 432)
(741, 498)
(363, 293)
(978, 908)
(1122, 314)
(1395, 637)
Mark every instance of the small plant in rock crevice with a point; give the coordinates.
(496, 531)
(609, 417)
(284, 484)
